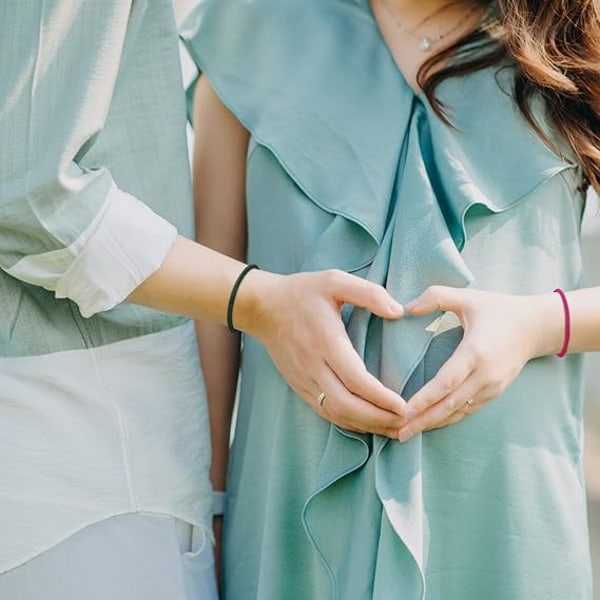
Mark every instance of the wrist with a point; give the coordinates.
(252, 302)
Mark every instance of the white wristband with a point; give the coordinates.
(219, 501)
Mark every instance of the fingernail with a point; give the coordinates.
(405, 435)
(396, 307)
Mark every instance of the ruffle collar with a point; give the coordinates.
(293, 72)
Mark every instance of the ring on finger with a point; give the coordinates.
(321, 398)
(470, 402)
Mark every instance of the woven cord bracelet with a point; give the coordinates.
(232, 296)
(567, 338)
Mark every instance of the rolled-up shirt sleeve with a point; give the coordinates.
(69, 229)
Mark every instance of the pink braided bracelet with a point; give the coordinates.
(567, 338)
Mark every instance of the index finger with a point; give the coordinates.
(345, 362)
(449, 377)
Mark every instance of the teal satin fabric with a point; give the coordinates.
(349, 168)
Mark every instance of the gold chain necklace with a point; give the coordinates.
(426, 42)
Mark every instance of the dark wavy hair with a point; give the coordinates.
(554, 46)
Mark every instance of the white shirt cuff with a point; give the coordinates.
(125, 244)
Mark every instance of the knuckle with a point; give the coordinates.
(351, 387)
(479, 356)
(372, 295)
(390, 432)
(353, 381)
(420, 428)
(455, 418)
(456, 408)
(493, 379)
(448, 385)
(420, 425)
(333, 277)
(334, 412)
(440, 414)
(437, 424)
(352, 384)
(435, 292)
(496, 384)
(387, 424)
(452, 407)
(495, 388)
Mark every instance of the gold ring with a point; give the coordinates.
(321, 398)
(470, 402)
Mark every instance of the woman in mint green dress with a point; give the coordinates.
(443, 150)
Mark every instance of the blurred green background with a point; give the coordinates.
(592, 423)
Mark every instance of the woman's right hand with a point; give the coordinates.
(298, 319)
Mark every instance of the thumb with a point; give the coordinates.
(350, 289)
(435, 298)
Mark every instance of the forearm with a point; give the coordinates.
(585, 320)
(219, 168)
(196, 281)
(219, 355)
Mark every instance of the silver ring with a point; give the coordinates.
(321, 398)
(470, 402)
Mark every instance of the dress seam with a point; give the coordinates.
(123, 433)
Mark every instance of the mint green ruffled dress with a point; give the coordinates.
(348, 168)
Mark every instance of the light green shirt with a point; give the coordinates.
(92, 162)
(101, 404)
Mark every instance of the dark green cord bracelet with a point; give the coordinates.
(234, 291)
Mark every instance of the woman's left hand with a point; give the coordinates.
(501, 333)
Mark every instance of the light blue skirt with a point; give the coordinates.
(128, 557)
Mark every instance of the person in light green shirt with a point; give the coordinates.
(442, 149)
(105, 452)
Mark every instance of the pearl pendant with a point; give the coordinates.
(425, 44)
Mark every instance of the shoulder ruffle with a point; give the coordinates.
(288, 71)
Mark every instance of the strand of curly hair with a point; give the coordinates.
(554, 48)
